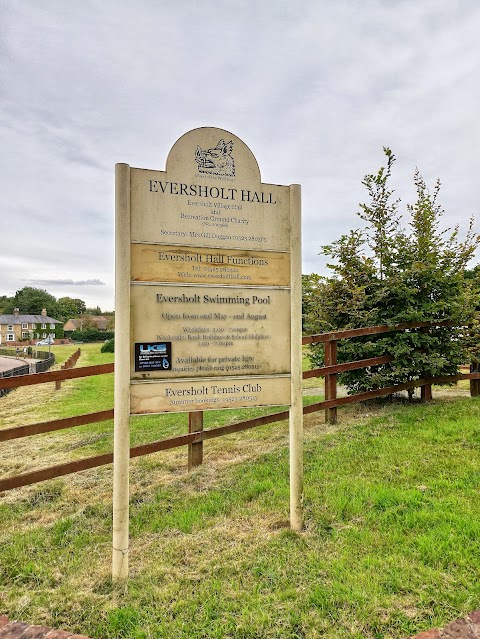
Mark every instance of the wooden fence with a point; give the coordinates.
(197, 435)
(70, 363)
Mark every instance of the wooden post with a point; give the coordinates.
(426, 393)
(195, 451)
(330, 381)
(474, 383)
(121, 443)
(58, 383)
(296, 390)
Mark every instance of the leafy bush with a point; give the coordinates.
(91, 334)
(109, 346)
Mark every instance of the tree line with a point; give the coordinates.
(31, 301)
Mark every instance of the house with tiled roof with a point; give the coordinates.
(19, 327)
(89, 321)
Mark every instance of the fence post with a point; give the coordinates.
(331, 380)
(426, 393)
(70, 363)
(58, 383)
(195, 450)
(474, 383)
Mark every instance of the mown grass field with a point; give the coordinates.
(391, 545)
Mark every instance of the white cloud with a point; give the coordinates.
(66, 282)
(315, 89)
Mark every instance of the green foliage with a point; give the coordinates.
(96, 310)
(310, 285)
(6, 305)
(109, 346)
(68, 307)
(387, 274)
(34, 300)
(471, 337)
(90, 334)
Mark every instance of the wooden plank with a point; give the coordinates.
(475, 375)
(246, 425)
(36, 476)
(390, 390)
(53, 376)
(369, 330)
(165, 444)
(57, 424)
(347, 366)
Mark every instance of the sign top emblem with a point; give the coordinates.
(217, 161)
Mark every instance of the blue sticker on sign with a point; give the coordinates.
(153, 356)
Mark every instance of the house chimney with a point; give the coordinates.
(44, 312)
(16, 311)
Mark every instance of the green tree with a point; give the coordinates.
(69, 307)
(34, 300)
(96, 310)
(472, 333)
(387, 274)
(6, 305)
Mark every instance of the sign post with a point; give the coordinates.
(208, 298)
(296, 394)
(121, 443)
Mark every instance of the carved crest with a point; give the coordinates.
(217, 161)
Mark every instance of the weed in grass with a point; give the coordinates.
(47, 493)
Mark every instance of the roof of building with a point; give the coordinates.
(99, 320)
(27, 319)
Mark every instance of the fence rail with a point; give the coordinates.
(197, 435)
(54, 376)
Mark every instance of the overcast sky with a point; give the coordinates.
(314, 88)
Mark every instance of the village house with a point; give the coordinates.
(88, 321)
(18, 328)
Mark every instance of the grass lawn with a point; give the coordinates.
(391, 545)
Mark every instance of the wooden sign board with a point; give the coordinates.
(208, 298)
(209, 274)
